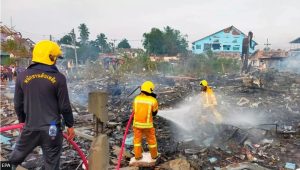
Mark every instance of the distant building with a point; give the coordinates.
(22, 52)
(129, 52)
(296, 41)
(228, 40)
(295, 48)
(165, 58)
(10, 34)
(111, 59)
(263, 59)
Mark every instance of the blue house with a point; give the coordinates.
(227, 40)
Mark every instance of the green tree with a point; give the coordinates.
(16, 48)
(169, 41)
(87, 51)
(139, 64)
(84, 33)
(174, 42)
(101, 41)
(124, 44)
(154, 41)
(67, 39)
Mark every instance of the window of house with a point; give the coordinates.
(198, 46)
(193, 47)
(216, 46)
(234, 41)
(207, 47)
(226, 47)
(236, 48)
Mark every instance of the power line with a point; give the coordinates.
(126, 39)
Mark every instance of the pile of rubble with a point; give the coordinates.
(272, 142)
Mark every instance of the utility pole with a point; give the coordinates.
(50, 37)
(114, 44)
(74, 45)
(11, 22)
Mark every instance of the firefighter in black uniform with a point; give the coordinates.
(41, 100)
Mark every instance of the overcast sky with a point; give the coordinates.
(278, 20)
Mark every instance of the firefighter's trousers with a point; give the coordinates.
(212, 110)
(28, 140)
(149, 133)
(217, 115)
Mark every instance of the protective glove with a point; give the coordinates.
(71, 133)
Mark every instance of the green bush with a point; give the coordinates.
(7, 61)
(192, 65)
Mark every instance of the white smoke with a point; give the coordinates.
(292, 63)
(189, 116)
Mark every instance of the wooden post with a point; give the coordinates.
(97, 106)
(99, 152)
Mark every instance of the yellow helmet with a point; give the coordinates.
(42, 51)
(203, 83)
(147, 86)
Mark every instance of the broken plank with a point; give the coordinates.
(83, 135)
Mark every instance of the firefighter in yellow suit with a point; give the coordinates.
(145, 106)
(209, 100)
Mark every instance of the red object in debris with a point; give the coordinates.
(12, 127)
(76, 147)
(79, 151)
(256, 145)
(123, 141)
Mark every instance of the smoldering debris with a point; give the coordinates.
(260, 129)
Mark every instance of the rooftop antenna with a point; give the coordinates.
(267, 45)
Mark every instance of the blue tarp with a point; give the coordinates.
(129, 140)
(4, 140)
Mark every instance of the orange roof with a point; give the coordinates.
(262, 54)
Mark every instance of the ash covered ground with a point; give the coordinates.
(260, 129)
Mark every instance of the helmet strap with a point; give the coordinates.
(52, 58)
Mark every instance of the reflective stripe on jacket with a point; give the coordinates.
(143, 106)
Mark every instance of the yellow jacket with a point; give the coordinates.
(208, 97)
(143, 107)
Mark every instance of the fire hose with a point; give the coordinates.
(74, 144)
(125, 134)
(123, 141)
